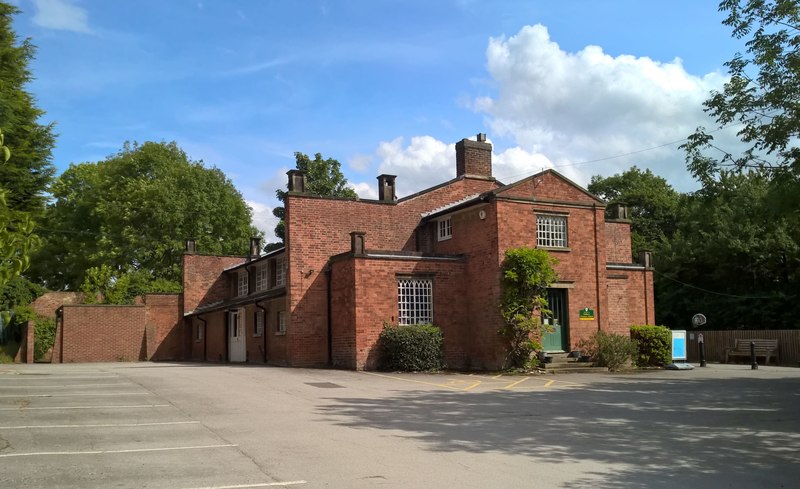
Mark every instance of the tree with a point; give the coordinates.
(527, 273)
(323, 177)
(727, 260)
(763, 93)
(652, 204)
(27, 175)
(133, 212)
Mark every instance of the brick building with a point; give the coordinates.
(351, 265)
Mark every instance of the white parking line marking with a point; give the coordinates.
(136, 406)
(63, 386)
(245, 486)
(54, 377)
(102, 452)
(119, 425)
(80, 394)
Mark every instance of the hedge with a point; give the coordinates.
(654, 344)
(411, 348)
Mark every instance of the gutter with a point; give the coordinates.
(263, 330)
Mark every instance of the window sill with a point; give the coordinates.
(445, 238)
(280, 333)
(555, 248)
(256, 335)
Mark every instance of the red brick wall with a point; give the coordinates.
(365, 297)
(550, 186)
(343, 314)
(618, 242)
(98, 333)
(203, 280)
(630, 298)
(163, 326)
(318, 228)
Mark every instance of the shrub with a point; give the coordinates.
(411, 348)
(44, 331)
(609, 349)
(654, 347)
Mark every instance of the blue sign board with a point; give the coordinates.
(679, 345)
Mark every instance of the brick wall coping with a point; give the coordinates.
(626, 266)
(238, 301)
(103, 305)
(556, 203)
(398, 255)
(307, 195)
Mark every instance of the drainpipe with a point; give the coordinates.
(263, 330)
(329, 279)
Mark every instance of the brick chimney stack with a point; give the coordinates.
(474, 158)
(386, 188)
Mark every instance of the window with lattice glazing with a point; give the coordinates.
(551, 231)
(445, 229)
(414, 300)
(280, 272)
(262, 277)
(241, 283)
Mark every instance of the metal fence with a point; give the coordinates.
(717, 341)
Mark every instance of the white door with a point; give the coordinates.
(236, 346)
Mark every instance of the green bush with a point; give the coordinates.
(411, 348)
(654, 343)
(44, 331)
(609, 349)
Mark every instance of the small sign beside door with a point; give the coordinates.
(586, 314)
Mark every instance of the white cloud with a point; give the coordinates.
(360, 162)
(577, 107)
(424, 162)
(365, 190)
(61, 15)
(264, 220)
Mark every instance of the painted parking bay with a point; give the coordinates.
(87, 427)
(479, 383)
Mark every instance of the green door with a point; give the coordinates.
(556, 339)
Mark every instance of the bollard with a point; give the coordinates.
(753, 364)
(702, 354)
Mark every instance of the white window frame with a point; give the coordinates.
(258, 324)
(242, 283)
(551, 231)
(280, 271)
(281, 326)
(262, 276)
(445, 227)
(414, 300)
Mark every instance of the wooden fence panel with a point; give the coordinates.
(717, 341)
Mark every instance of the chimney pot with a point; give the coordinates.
(358, 242)
(191, 246)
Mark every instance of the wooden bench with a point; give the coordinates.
(764, 348)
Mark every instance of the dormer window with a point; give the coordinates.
(241, 283)
(445, 229)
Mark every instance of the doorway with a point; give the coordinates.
(557, 321)
(236, 336)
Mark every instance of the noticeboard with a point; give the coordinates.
(586, 314)
(679, 345)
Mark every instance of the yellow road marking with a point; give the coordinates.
(476, 384)
(446, 386)
(549, 383)
(497, 376)
(514, 384)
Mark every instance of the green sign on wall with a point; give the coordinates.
(586, 314)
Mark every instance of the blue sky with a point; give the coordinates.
(384, 86)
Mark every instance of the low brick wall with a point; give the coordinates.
(149, 330)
